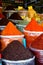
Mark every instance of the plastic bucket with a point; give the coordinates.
(5, 40)
(38, 54)
(31, 36)
(30, 61)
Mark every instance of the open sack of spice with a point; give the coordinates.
(10, 33)
(16, 54)
(37, 48)
(32, 31)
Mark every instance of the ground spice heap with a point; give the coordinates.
(16, 51)
(15, 16)
(34, 26)
(11, 29)
(38, 43)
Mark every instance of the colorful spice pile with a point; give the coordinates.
(38, 43)
(15, 16)
(16, 51)
(11, 29)
(34, 26)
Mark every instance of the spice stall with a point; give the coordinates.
(21, 35)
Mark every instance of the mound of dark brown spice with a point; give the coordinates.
(4, 21)
(15, 16)
(5, 14)
(10, 7)
(16, 51)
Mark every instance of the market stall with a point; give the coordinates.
(21, 34)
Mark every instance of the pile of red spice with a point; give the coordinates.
(34, 26)
(38, 43)
(11, 29)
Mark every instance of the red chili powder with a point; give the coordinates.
(38, 43)
(34, 26)
(11, 29)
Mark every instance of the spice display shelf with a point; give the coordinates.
(15, 11)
